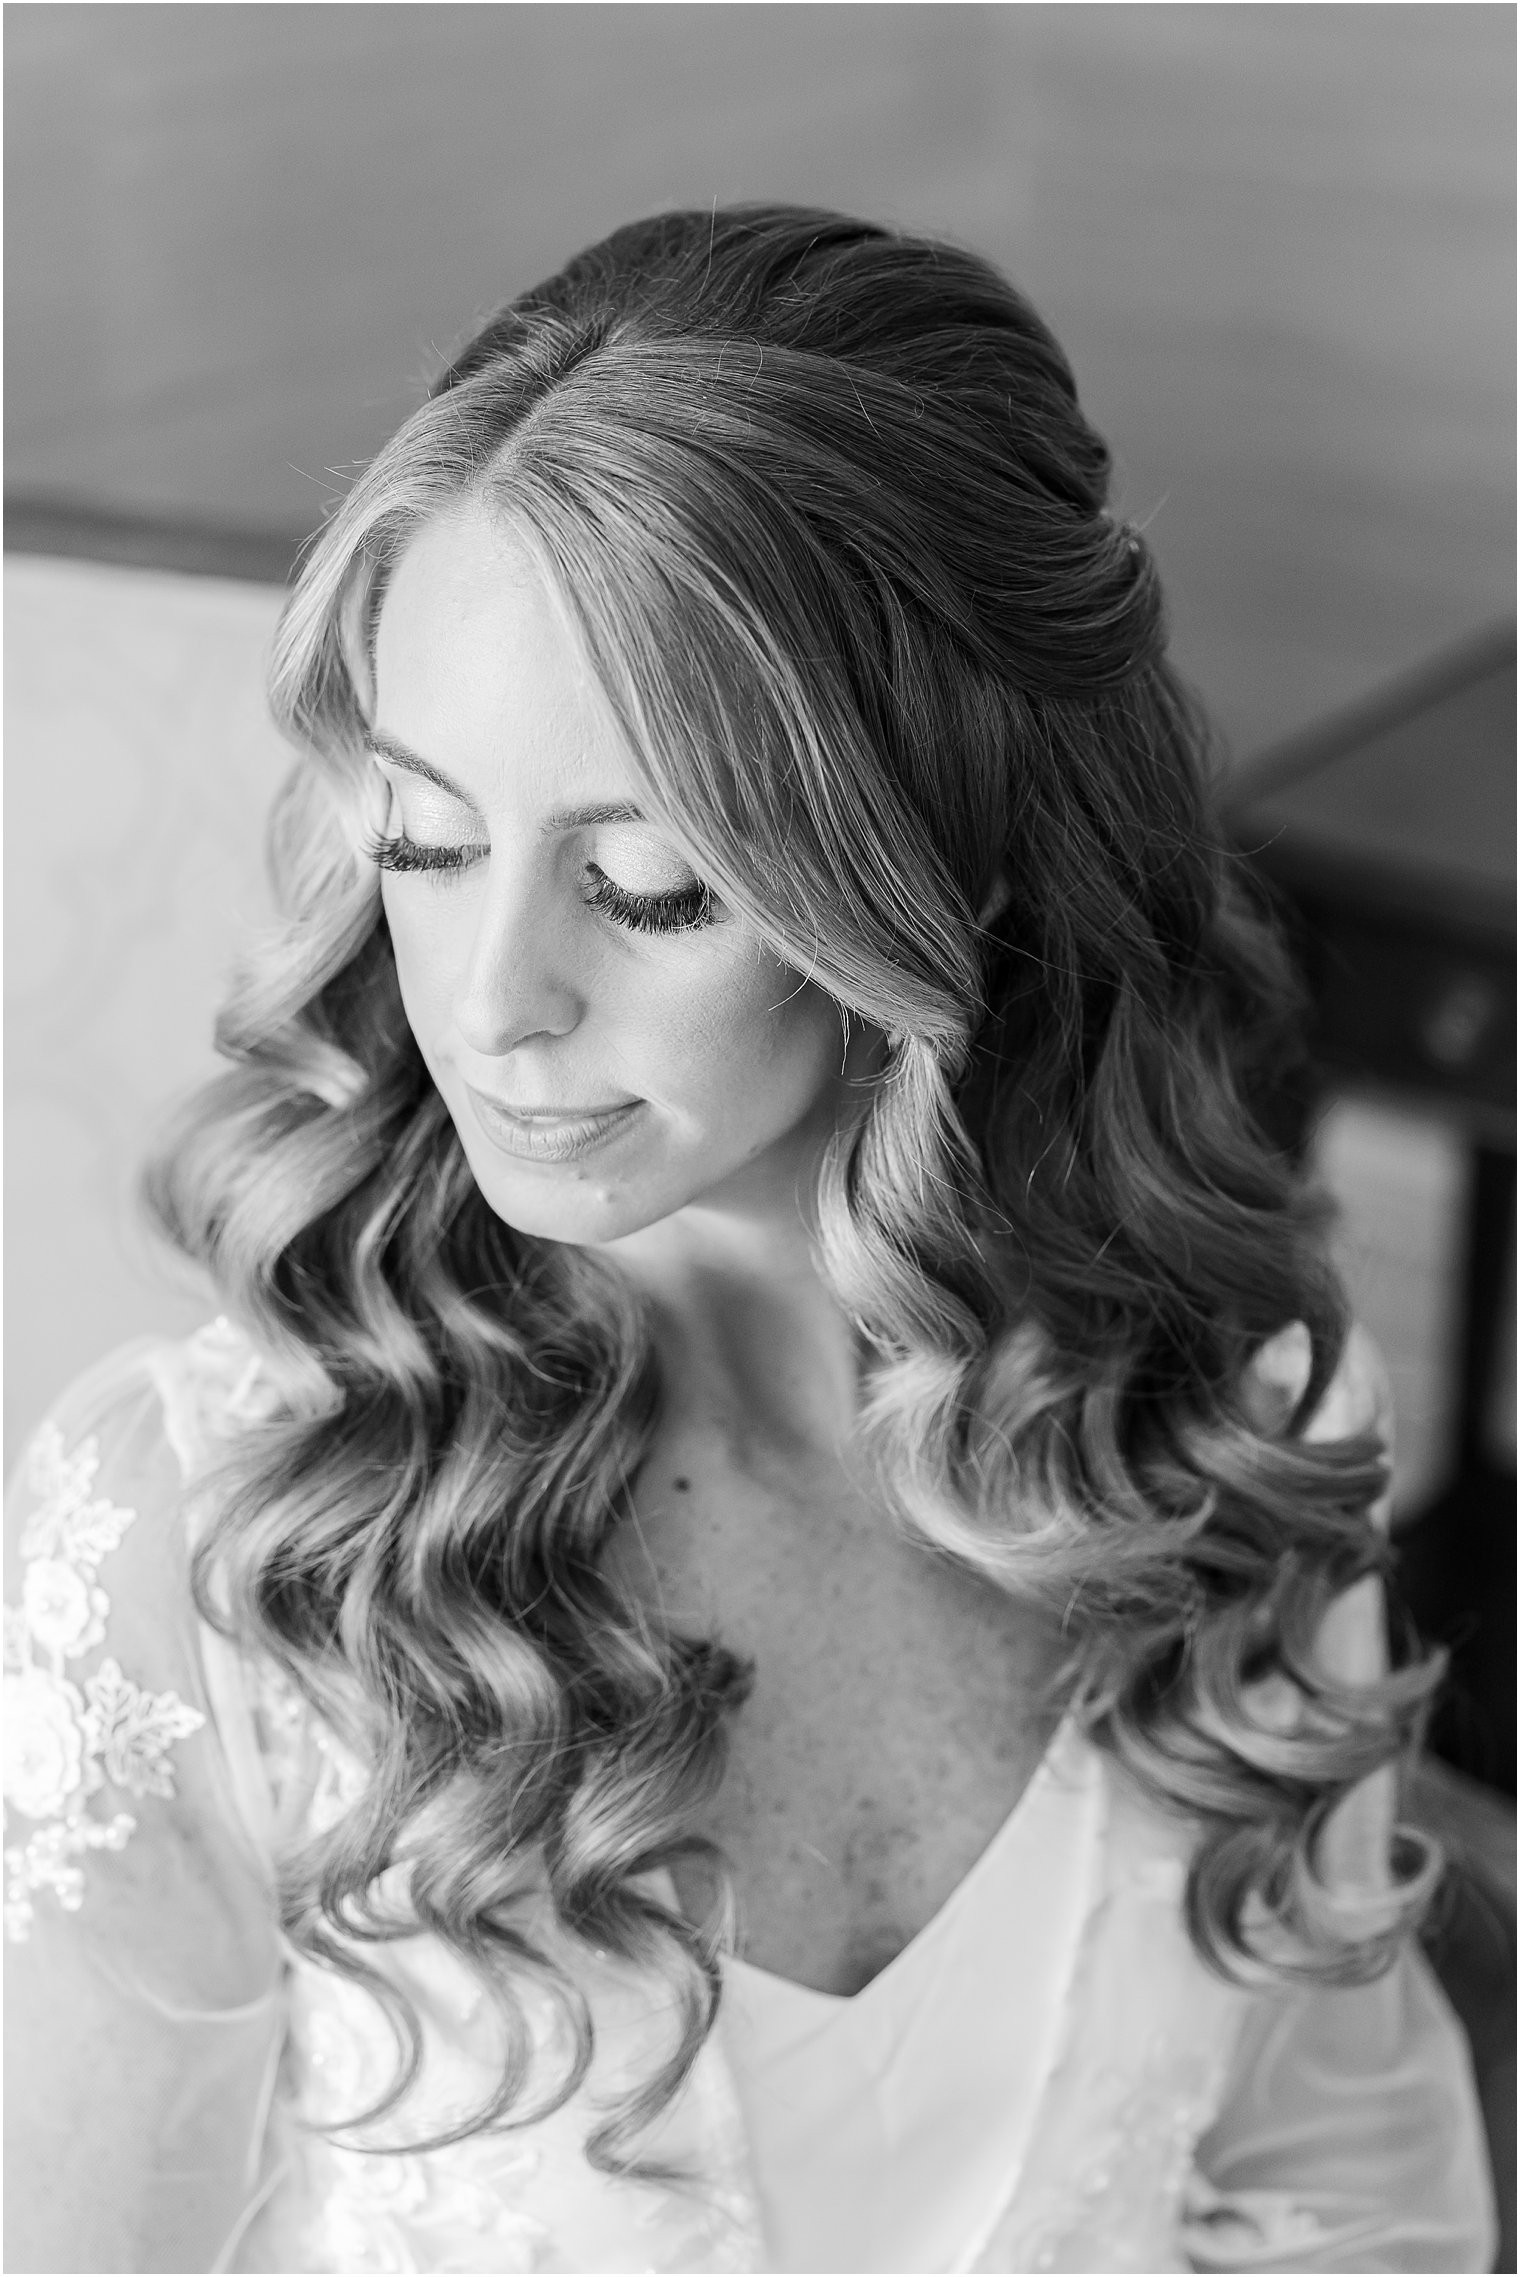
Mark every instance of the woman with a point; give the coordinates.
(762, 1648)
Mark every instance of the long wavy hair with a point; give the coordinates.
(832, 527)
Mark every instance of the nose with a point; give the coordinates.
(516, 981)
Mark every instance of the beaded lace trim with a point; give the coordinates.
(66, 1742)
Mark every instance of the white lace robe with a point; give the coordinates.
(151, 1774)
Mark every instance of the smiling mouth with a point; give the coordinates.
(547, 1134)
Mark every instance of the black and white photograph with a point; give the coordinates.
(759, 1136)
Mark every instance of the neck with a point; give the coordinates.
(747, 1330)
(744, 1323)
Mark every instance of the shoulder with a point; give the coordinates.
(101, 1482)
(106, 1716)
(180, 1399)
(88, 1513)
(141, 1986)
(210, 1386)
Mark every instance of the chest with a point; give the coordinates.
(898, 1705)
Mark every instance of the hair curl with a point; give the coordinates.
(832, 527)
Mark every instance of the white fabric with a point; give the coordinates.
(1047, 2078)
(884, 2127)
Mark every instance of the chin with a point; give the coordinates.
(569, 1202)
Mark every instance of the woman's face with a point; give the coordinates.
(612, 1043)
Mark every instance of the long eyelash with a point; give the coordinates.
(652, 912)
(404, 854)
(642, 913)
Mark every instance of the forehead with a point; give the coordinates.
(479, 667)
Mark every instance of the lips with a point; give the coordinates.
(550, 1134)
(556, 1114)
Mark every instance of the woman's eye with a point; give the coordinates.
(641, 882)
(429, 838)
(399, 852)
(680, 911)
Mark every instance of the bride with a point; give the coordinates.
(757, 1643)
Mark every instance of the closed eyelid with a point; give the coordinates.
(431, 817)
(388, 751)
(634, 843)
(658, 866)
(420, 833)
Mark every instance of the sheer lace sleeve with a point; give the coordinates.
(143, 1980)
(1349, 2136)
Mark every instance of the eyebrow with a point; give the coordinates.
(396, 754)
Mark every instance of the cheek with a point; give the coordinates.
(741, 1042)
(428, 957)
(756, 1042)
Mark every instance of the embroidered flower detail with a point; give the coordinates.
(1146, 2121)
(62, 1610)
(63, 1744)
(406, 2211)
(441, 2210)
(46, 1863)
(18, 1640)
(44, 1743)
(69, 1523)
(132, 1731)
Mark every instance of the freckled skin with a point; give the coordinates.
(512, 984)
(897, 1710)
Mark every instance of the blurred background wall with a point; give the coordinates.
(1277, 242)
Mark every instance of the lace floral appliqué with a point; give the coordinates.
(64, 1741)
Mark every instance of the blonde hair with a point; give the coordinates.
(832, 527)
